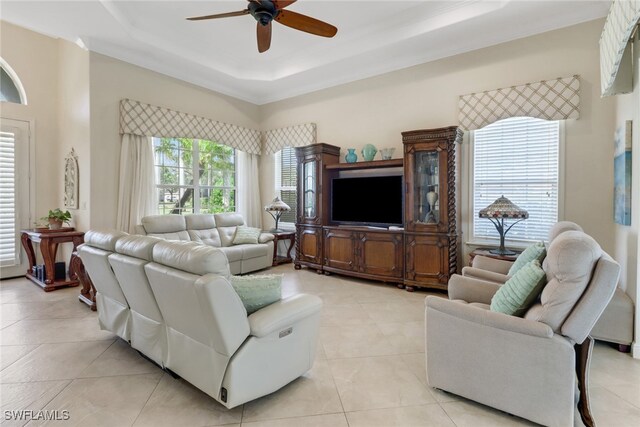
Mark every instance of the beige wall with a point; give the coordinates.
(377, 109)
(73, 124)
(34, 58)
(55, 76)
(113, 80)
(627, 243)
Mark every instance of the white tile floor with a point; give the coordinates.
(369, 369)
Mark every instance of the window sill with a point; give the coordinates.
(495, 243)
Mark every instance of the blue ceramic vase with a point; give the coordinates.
(369, 152)
(351, 156)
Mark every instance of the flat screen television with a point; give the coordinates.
(373, 200)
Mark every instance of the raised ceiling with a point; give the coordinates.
(374, 37)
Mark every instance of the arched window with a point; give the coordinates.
(11, 89)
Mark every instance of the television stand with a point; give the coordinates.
(369, 253)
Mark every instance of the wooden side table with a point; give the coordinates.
(282, 235)
(49, 241)
(485, 252)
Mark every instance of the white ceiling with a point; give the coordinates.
(373, 37)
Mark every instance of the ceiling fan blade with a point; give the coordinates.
(263, 33)
(305, 23)
(219, 15)
(281, 4)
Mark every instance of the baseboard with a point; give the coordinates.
(635, 350)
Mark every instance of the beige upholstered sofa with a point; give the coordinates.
(523, 366)
(174, 303)
(616, 323)
(216, 231)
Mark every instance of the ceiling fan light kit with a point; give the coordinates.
(266, 11)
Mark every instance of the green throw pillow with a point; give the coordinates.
(520, 291)
(246, 234)
(257, 291)
(535, 251)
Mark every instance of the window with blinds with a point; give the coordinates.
(518, 158)
(8, 241)
(286, 183)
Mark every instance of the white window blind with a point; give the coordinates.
(518, 158)
(9, 254)
(286, 182)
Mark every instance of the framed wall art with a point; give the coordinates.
(71, 180)
(622, 175)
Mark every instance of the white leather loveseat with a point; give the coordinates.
(173, 301)
(215, 230)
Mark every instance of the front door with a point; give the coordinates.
(15, 206)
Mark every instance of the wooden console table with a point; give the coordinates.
(49, 241)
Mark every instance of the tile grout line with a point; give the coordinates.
(114, 337)
(335, 386)
(148, 398)
(20, 358)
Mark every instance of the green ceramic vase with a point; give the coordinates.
(369, 152)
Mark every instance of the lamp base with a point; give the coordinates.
(502, 252)
(276, 230)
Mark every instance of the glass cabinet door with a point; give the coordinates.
(310, 189)
(426, 209)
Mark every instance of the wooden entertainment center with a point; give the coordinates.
(421, 254)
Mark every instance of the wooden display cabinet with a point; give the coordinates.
(313, 201)
(423, 254)
(430, 206)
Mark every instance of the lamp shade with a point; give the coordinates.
(503, 208)
(277, 205)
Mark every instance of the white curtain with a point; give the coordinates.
(137, 191)
(248, 195)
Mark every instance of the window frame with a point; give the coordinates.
(289, 226)
(197, 187)
(470, 170)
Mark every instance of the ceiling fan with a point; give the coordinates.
(265, 11)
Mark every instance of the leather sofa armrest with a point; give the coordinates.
(492, 264)
(266, 237)
(489, 318)
(487, 275)
(283, 314)
(471, 289)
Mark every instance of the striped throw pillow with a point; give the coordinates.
(520, 291)
(535, 251)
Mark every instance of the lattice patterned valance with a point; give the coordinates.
(292, 136)
(621, 20)
(555, 99)
(142, 119)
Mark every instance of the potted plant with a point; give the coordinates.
(56, 218)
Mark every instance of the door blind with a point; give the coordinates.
(517, 158)
(9, 255)
(287, 181)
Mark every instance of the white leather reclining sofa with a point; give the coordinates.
(173, 302)
(216, 230)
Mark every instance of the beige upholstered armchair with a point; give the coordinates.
(525, 366)
(496, 270)
(616, 323)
